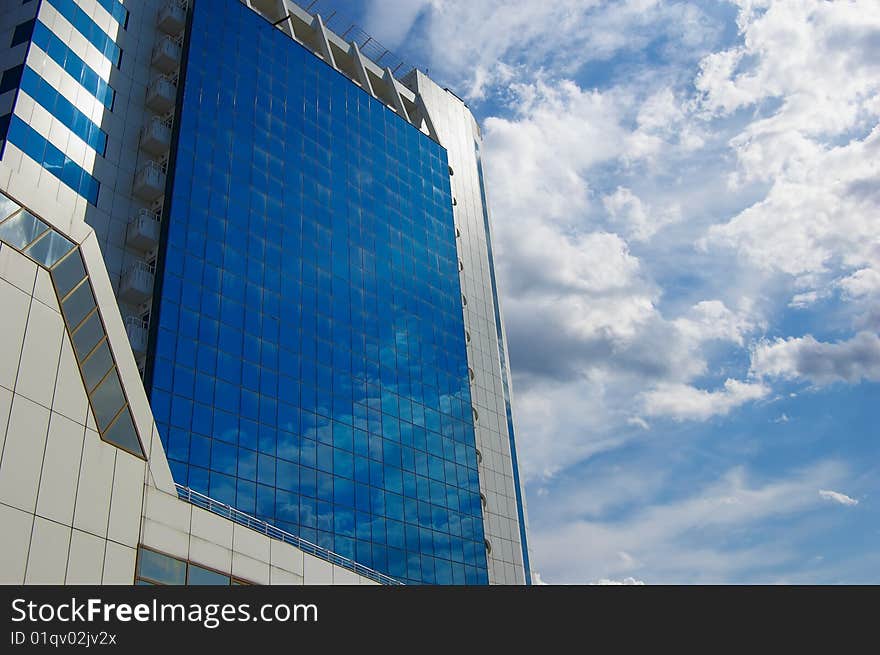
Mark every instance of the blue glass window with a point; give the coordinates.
(311, 262)
(73, 65)
(35, 146)
(116, 10)
(64, 110)
(81, 21)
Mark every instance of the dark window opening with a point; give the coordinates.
(23, 32)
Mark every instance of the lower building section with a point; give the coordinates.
(81, 503)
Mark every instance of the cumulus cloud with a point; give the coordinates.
(837, 497)
(684, 402)
(809, 71)
(710, 320)
(466, 42)
(819, 362)
(639, 221)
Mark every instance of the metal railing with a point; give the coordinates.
(137, 329)
(137, 323)
(351, 32)
(229, 512)
(145, 217)
(140, 268)
(153, 169)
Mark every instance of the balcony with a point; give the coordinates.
(162, 94)
(149, 183)
(136, 285)
(166, 54)
(156, 136)
(143, 230)
(138, 332)
(172, 17)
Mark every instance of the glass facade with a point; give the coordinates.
(308, 361)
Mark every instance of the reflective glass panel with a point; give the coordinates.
(78, 304)
(123, 434)
(199, 576)
(49, 249)
(96, 366)
(67, 273)
(311, 258)
(160, 568)
(22, 229)
(88, 335)
(7, 206)
(107, 400)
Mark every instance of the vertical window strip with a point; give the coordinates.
(59, 255)
(62, 55)
(88, 28)
(65, 111)
(35, 146)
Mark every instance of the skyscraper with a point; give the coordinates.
(270, 263)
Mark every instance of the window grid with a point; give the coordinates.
(309, 365)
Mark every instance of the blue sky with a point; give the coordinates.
(693, 319)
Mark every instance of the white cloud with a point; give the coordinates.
(705, 535)
(819, 362)
(629, 581)
(810, 71)
(537, 579)
(639, 221)
(837, 497)
(862, 283)
(466, 41)
(712, 320)
(390, 21)
(639, 422)
(684, 402)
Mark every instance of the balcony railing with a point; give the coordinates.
(156, 136)
(138, 331)
(143, 230)
(224, 510)
(137, 282)
(162, 93)
(149, 183)
(167, 53)
(172, 17)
